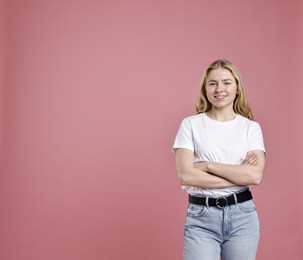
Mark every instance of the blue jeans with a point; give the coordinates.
(232, 232)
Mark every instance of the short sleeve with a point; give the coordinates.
(256, 138)
(184, 138)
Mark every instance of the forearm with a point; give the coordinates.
(239, 174)
(190, 175)
(250, 172)
(197, 178)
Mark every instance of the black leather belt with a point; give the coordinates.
(222, 202)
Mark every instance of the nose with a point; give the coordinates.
(219, 87)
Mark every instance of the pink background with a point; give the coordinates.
(92, 94)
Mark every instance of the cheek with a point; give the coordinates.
(209, 95)
(233, 94)
(209, 92)
(233, 91)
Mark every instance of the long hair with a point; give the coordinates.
(240, 106)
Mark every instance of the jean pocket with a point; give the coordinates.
(195, 210)
(247, 206)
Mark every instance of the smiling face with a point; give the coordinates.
(230, 95)
(221, 89)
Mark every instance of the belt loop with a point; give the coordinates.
(235, 197)
(206, 201)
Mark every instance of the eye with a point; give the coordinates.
(212, 84)
(228, 83)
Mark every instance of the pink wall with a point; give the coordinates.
(94, 94)
(2, 73)
(297, 92)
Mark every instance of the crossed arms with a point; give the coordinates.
(219, 175)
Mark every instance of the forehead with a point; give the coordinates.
(220, 74)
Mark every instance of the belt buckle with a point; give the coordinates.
(221, 199)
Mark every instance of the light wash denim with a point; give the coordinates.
(232, 232)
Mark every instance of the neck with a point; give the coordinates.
(221, 115)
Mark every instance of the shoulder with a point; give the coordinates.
(191, 123)
(193, 118)
(250, 123)
(251, 127)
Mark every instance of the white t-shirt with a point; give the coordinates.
(225, 142)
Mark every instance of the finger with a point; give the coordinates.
(252, 157)
(251, 160)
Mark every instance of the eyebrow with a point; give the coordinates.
(216, 80)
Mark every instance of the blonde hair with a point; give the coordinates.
(241, 105)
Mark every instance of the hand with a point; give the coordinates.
(201, 166)
(251, 159)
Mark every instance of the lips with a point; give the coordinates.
(221, 96)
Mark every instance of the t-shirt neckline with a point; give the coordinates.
(213, 121)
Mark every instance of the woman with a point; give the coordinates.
(219, 153)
